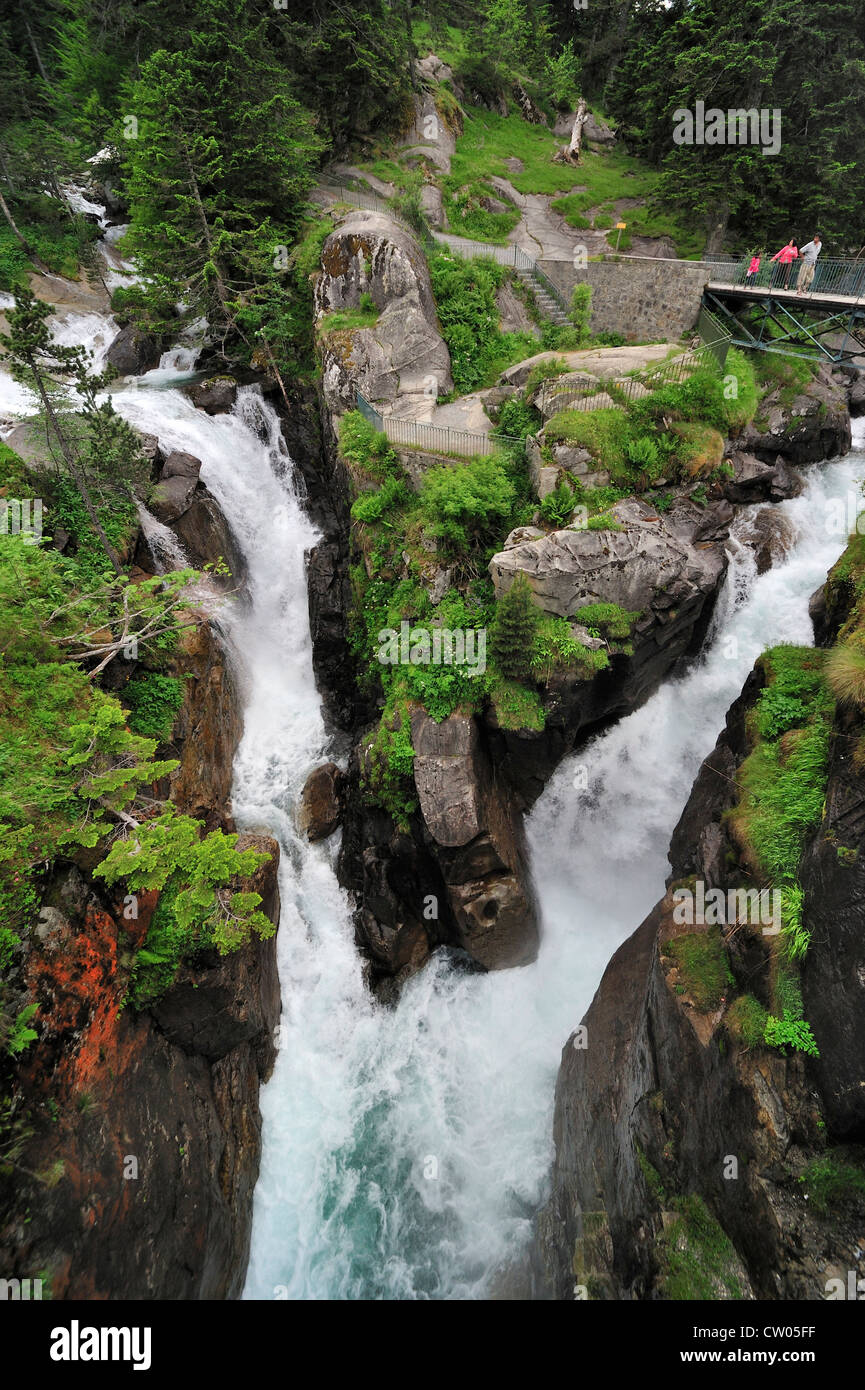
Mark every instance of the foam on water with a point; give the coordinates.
(406, 1149)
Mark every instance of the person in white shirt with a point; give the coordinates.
(808, 256)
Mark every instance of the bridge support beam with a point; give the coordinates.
(772, 326)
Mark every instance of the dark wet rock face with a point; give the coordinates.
(133, 352)
(216, 395)
(659, 1093)
(138, 1176)
(321, 802)
(815, 426)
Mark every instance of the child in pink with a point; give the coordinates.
(753, 269)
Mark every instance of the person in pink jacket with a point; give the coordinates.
(785, 258)
(753, 269)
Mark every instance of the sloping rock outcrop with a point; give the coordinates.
(180, 500)
(133, 352)
(814, 426)
(403, 353)
(653, 562)
(477, 839)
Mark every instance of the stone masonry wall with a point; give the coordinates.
(639, 297)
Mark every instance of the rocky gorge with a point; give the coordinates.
(186, 1117)
(666, 569)
(683, 1148)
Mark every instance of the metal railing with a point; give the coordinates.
(511, 256)
(373, 203)
(716, 338)
(583, 396)
(832, 276)
(436, 439)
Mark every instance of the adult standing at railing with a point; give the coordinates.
(808, 255)
(784, 264)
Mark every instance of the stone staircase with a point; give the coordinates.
(547, 305)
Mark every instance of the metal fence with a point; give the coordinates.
(511, 256)
(437, 439)
(555, 396)
(373, 203)
(716, 338)
(831, 275)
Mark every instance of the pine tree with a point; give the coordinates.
(32, 357)
(514, 630)
(222, 159)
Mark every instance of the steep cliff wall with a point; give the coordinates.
(693, 1159)
(131, 1149)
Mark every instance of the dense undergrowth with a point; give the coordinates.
(82, 780)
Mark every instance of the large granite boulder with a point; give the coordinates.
(181, 501)
(430, 136)
(403, 353)
(815, 426)
(172, 496)
(478, 841)
(216, 395)
(132, 352)
(653, 562)
(755, 480)
(321, 802)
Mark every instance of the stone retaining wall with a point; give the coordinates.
(640, 297)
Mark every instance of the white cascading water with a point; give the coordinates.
(405, 1150)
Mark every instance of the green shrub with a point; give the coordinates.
(556, 648)
(782, 781)
(581, 311)
(367, 449)
(795, 1033)
(517, 419)
(516, 706)
(20, 1035)
(613, 622)
(557, 507)
(740, 390)
(167, 943)
(467, 504)
(834, 1181)
(795, 936)
(702, 962)
(372, 507)
(387, 772)
(746, 1020)
(778, 712)
(604, 521)
(465, 294)
(605, 433)
(153, 701)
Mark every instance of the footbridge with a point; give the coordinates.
(825, 321)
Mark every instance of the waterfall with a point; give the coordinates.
(165, 549)
(406, 1149)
